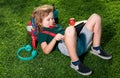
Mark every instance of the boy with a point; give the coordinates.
(71, 42)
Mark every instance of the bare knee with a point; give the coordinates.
(70, 31)
(96, 16)
(93, 21)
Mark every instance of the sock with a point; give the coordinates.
(96, 48)
(76, 62)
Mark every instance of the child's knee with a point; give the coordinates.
(96, 16)
(70, 30)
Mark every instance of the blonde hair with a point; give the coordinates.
(40, 12)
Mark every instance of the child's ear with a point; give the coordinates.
(40, 24)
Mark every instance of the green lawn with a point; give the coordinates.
(14, 15)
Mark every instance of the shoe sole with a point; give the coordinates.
(85, 74)
(106, 58)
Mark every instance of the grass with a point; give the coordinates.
(13, 17)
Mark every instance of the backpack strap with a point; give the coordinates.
(49, 33)
(34, 26)
(32, 30)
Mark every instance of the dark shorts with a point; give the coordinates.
(84, 40)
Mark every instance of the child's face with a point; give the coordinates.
(48, 20)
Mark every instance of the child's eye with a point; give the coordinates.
(52, 18)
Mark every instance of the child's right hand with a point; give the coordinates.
(59, 37)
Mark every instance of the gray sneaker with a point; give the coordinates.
(81, 69)
(101, 53)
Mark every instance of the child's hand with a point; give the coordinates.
(59, 37)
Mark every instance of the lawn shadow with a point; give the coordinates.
(82, 57)
(108, 32)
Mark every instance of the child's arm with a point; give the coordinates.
(47, 48)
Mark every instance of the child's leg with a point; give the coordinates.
(94, 24)
(70, 41)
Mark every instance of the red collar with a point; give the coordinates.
(51, 27)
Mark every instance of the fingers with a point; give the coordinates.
(59, 37)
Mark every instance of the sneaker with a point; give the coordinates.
(101, 53)
(81, 69)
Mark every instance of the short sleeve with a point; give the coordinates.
(42, 38)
